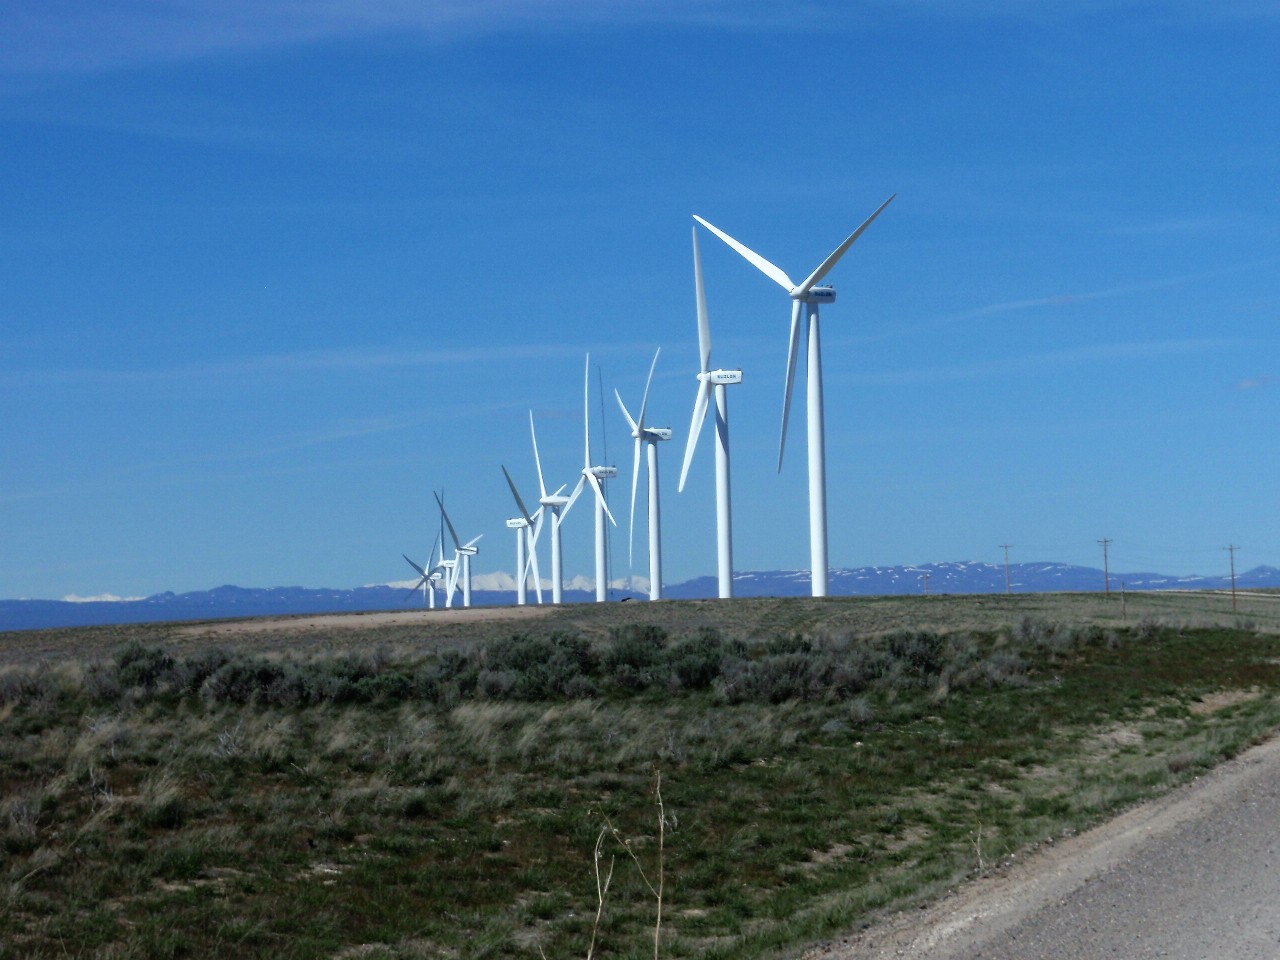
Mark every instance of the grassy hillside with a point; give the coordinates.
(450, 789)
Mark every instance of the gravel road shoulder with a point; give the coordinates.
(1193, 874)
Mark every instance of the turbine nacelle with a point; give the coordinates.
(714, 377)
(517, 523)
(824, 293)
(603, 473)
(656, 433)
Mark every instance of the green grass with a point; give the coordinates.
(443, 795)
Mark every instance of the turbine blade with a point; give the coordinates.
(472, 542)
(760, 263)
(413, 590)
(695, 429)
(635, 479)
(421, 572)
(793, 348)
(592, 479)
(635, 428)
(573, 498)
(519, 503)
(536, 529)
(830, 262)
(644, 401)
(704, 326)
(586, 414)
(449, 523)
(536, 459)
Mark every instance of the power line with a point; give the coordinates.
(1232, 550)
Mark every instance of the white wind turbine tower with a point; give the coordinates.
(648, 437)
(463, 552)
(559, 506)
(810, 292)
(593, 475)
(527, 527)
(710, 381)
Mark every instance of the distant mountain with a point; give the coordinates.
(965, 577)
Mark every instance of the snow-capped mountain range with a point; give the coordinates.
(498, 589)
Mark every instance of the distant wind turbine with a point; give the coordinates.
(559, 507)
(647, 437)
(427, 578)
(710, 381)
(593, 475)
(526, 526)
(810, 292)
(463, 552)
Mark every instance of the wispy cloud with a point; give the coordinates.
(1167, 11)
(1174, 226)
(1097, 353)
(1253, 383)
(74, 36)
(307, 362)
(1108, 293)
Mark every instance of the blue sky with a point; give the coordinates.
(271, 273)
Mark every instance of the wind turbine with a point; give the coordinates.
(427, 578)
(648, 437)
(713, 381)
(593, 475)
(445, 569)
(559, 506)
(527, 527)
(811, 293)
(463, 552)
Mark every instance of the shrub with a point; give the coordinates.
(140, 665)
(792, 643)
(696, 661)
(102, 682)
(775, 678)
(537, 668)
(1004, 669)
(921, 651)
(634, 657)
(190, 673)
(1148, 628)
(454, 676)
(28, 685)
(497, 684)
(241, 680)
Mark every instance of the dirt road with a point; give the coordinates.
(1191, 876)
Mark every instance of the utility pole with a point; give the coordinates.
(1106, 570)
(1232, 550)
(1006, 567)
(925, 577)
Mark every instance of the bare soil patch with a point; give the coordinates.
(360, 621)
